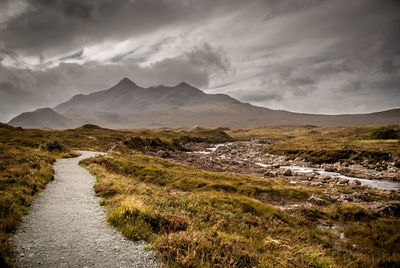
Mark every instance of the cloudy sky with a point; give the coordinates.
(313, 56)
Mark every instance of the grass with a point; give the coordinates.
(24, 171)
(27, 155)
(196, 218)
(327, 144)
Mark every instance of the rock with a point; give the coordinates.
(391, 208)
(162, 154)
(356, 182)
(287, 172)
(344, 170)
(330, 169)
(317, 201)
(270, 174)
(309, 177)
(325, 179)
(315, 184)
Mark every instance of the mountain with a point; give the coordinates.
(41, 118)
(127, 105)
(126, 98)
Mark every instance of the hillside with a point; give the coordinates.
(127, 105)
(41, 118)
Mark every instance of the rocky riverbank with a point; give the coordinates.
(251, 157)
(343, 183)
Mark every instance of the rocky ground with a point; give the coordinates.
(250, 157)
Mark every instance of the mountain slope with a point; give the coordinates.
(41, 118)
(128, 98)
(127, 105)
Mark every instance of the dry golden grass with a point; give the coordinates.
(25, 170)
(194, 218)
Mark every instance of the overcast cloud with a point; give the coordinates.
(310, 56)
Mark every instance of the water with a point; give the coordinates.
(262, 164)
(378, 184)
(211, 149)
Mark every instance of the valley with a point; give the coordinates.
(199, 134)
(200, 197)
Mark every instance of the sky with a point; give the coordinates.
(309, 56)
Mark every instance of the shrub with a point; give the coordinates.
(52, 145)
(89, 127)
(384, 133)
(150, 144)
(350, 212)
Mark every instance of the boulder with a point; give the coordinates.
(391, 208)
(343, 182)
(317, 201)
(287, 172)
(162, 154)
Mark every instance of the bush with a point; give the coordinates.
(384, 133)
(89, 127)
(150, 144)
(348, 212)
(52, 145)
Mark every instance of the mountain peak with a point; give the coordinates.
(126, 82)
(42, 117)
(183, 84)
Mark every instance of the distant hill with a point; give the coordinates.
(127, 105)
(5, 126)
(41, 118)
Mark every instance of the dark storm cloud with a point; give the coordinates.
(388, 66)
(26, 89)
(5, 53)
(303, 55)
(58, 25)
(262, 96)
(15, 99)
(61, 25)
(213, 60)
(75, 55)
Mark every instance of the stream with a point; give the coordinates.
(378, 184)
(373, 183)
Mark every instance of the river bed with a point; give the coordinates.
(378, 184)
(373, 183)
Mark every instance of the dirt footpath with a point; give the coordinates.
(66, 228)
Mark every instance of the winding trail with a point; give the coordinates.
(66, 227)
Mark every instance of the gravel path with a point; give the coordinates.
(66, 228)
